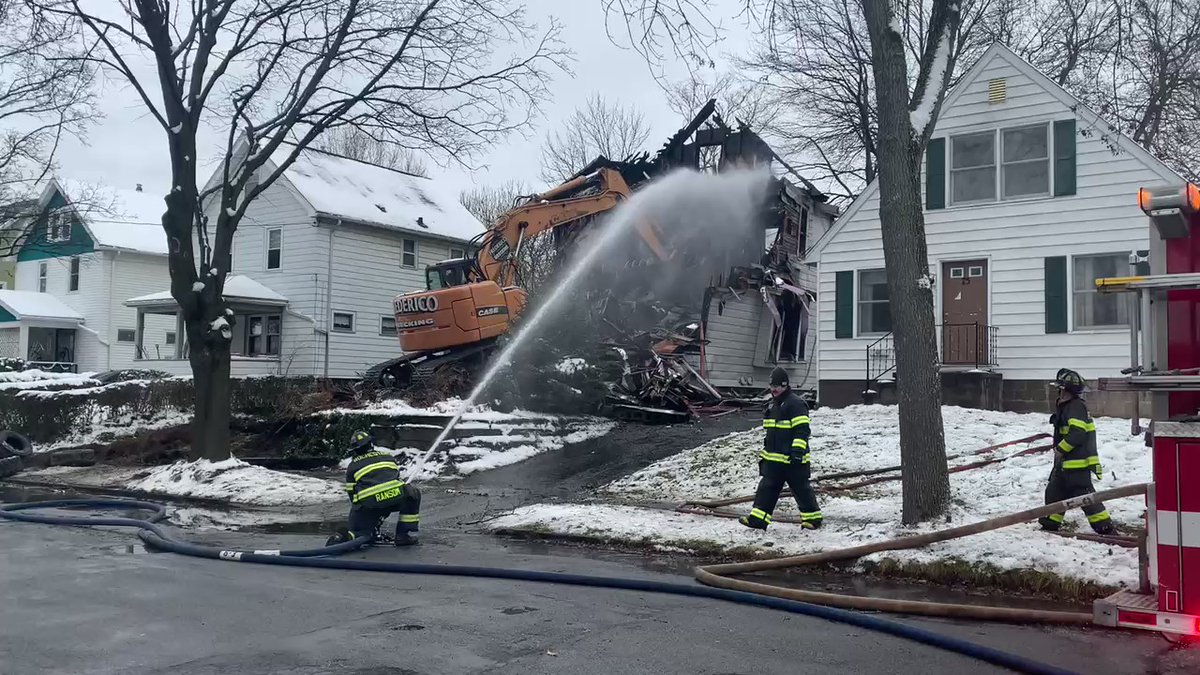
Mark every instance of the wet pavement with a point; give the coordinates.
(82, 600)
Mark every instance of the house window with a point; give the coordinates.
(1093, 309)
(262, 335)
(456, 253)
(41, 277)
(387, 325)
(170, 339)
(274, 248)
(126, 335)
(73, 278)
(973, 168)
(58, 224)
(1026, 154)
(408, 253)
(874, 312)
(343, 322)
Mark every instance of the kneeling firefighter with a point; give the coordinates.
(1075, 455)
(376, 491)
(785, 458)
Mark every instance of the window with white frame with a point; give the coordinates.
(874, 309)
(1025, 161)
(126, 335)
(274, 248)
(408, 253)
(387, 325)
(58, 225)
(1090, 308)
(343, 322)
(1010, 163)
(73, 275)
(457, 253)
(169, 338)
(42, 271)
(973, 168)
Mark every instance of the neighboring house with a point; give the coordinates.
(32, 323)
(1029, 198)
(318, 259)
(89, 257)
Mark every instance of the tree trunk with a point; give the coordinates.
(210, 373)
(926, 482)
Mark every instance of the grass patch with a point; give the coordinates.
(958, 573)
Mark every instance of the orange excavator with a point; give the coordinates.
(470, 302)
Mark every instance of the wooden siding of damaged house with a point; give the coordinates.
(1015, 237)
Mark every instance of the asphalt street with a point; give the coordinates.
(78, 600)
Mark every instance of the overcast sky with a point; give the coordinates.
(128, 147)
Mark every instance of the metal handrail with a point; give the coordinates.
(978, 341)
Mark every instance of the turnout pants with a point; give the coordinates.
(1068, 483)
(365, 519)
(773, 477)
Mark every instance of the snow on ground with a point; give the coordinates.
(237, 482)
(36, 379)
(866, 437)
(474, 413)
(107, 430)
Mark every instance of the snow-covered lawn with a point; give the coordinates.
(858, 438)
(237, 482)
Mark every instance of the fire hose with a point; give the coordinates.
(716, 586)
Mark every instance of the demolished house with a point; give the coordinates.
(720, 339)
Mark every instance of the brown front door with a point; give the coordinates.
(964, 312)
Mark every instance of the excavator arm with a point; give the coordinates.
(601, 192)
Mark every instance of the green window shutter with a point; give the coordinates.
(1056, 294)
(935, 174)
(843, 324)
(1064, 158)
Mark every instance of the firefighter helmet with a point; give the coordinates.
(1069, 380)
(361, 440)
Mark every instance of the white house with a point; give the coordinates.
(1029, 197)
(88, 255)
(318, 259)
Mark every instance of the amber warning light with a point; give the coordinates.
(1185, 199)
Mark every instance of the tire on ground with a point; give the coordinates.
(13, 444)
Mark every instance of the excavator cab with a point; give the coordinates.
(451, 273)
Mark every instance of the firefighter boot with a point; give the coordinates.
(341, 536)
(753, 522)
(406, 539)
(1051, 523)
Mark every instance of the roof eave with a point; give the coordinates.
(330, 219)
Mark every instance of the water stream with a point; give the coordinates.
(720, 208)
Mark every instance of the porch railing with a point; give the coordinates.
(54, 366)
(960, 344)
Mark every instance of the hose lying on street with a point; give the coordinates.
(156, 537)
(719, 575)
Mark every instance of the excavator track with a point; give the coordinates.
(414, 371)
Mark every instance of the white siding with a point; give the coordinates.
(91, 300)
(366, 277)
(1015, 237)
(739, 334)
(133, 275)
(301, 277)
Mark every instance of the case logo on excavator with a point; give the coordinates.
(490, 311)
(412, 305)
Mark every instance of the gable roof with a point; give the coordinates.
(339, 187)
(29, 305)
(998, 50)
(122, 220)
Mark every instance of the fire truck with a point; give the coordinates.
(1165, 367)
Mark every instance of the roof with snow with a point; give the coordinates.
(238, 288)
(120, 219)
(346, 188)
(27, 305)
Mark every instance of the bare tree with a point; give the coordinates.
(357, 144)
(598, 127)
(45, 94)
(905, 125)
(439, 75)
(738, 99)
(489, 202)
